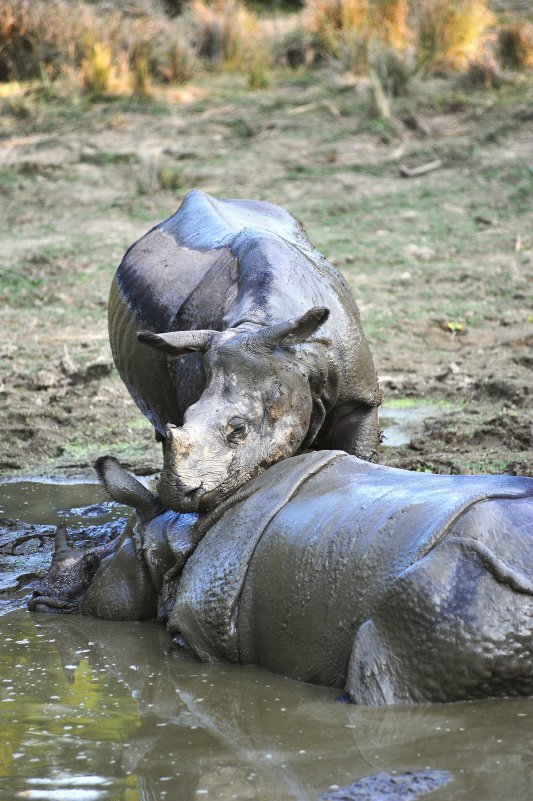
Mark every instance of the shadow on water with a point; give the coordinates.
(92, 710)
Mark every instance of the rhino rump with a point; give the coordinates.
(458, 624)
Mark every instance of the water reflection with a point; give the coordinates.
(44, 501)
(95, 710)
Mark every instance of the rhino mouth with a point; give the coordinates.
(173, 495)
(47, 603)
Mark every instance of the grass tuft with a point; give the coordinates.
(222, 31)
(451, 33)
(96, 67)
(515, 45)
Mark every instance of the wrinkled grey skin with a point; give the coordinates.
(399, 587)
(242, 345)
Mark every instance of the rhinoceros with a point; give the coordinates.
(398, 587)
(277, 358)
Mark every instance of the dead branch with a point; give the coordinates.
(413, 172)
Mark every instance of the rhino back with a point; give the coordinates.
(288, 570)
(159, 287)
(328, 557)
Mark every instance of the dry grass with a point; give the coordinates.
(36, 36)
(342, 27)
(176, 59)
(96, 67)
(224, 32)
(389, 22)
(102, 48)
(482, 74)
(331, 21)
(259, 68)
(515, 45)
(452, 33)
(112, 50)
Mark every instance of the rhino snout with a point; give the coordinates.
(172, 490)
(42, 602)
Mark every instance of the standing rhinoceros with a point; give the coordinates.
(277, 358)
(400, 587)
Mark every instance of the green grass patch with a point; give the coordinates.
(416, 403)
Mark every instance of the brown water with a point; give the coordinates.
(95, 711)
(44, 501)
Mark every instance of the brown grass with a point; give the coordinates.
(127, 50)
(515, 45)
(389, 22)
(451, 33)
(348, 25)
(330, 21)
(36, 36)
(176, 59)
(96, 67)
(223, 31)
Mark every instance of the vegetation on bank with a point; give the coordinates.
(74, 47)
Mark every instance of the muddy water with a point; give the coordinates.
(95, 711)
(400, 423)
(42, 501)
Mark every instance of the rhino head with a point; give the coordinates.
(260, 405)
(108, 581)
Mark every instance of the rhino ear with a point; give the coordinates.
(295, 331)
(124, 488)
(62, 548)
(176, 343)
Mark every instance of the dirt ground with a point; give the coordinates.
(441, 264)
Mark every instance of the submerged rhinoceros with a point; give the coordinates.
(399, 587)
(281, 362)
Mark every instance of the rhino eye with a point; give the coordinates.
(237, 430)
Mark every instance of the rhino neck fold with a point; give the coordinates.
(208, 582)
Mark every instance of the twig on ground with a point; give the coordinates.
(413, 172)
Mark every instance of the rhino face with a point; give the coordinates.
(256, 409)
(108, 581)
(71, 573)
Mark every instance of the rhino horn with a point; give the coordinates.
(62, 548)
(176, 343)
(294, 331)
(177, 443)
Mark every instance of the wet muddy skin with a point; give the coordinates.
(92, 710)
